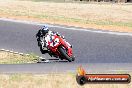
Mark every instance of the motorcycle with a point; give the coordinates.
(58, 47)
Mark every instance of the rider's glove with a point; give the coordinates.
(57, 34)
(63, 37)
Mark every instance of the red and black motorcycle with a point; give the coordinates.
(60, 48)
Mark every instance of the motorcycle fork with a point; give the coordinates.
(68, 49)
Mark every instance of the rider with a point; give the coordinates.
(42, 33)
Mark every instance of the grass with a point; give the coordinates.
(99, 16)
(48, 0)
(49, 81)
(99, 22)
(11, 58)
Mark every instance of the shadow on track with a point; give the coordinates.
(51, 61)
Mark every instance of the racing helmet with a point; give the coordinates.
(44, 30)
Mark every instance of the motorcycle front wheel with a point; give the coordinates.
(64, 54)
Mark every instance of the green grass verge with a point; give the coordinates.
(11, 58)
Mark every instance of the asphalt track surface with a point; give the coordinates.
(92, 50)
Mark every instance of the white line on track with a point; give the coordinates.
(19, 53)
(71, 28)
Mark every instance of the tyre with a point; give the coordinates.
(64, 54)
(73, 58)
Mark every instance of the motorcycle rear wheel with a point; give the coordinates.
(64, 54)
